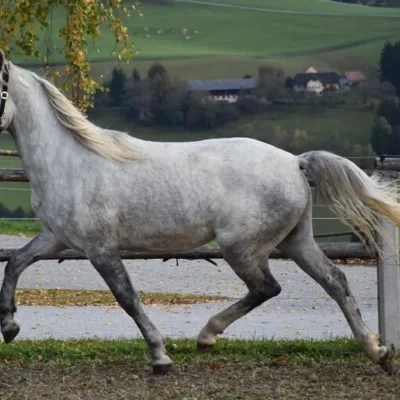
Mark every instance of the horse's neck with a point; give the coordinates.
(41, 140)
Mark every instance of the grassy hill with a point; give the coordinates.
(305, 6)
(232, 41)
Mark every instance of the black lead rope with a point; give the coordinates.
(4, 94)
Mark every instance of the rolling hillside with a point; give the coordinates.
(304, 6)
(231, 41)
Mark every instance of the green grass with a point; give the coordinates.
(20, 228)
(92, 351)
(312, 6)
(233, 42)
(363, 57)
(12, 194)
(234, 369)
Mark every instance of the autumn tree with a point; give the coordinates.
(389, 64)
(136, 75)
(23, 23)
(382, 138)
(385, 135)
(117, 86)
(138, 97)
(271, 83)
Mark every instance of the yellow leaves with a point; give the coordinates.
(84, 18)
(63, 298)
(80, 55)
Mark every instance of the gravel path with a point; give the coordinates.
(302, 310)
(281, 319)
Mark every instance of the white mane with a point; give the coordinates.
(113, 145)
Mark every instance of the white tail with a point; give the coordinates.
(357, 199)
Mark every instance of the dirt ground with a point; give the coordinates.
(195, 381)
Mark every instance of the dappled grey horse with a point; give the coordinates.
(99, 191)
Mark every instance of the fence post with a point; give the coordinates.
(389, 288)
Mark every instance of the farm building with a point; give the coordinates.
(316, 82)
(223, 89)
(344, 81)
(354, 77)
(311, 70)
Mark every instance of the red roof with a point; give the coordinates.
(355, 76)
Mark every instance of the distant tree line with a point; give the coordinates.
(163, 99)
(158, 98)
(385, 137)
(18, 212)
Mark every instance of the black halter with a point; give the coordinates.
(4, 94)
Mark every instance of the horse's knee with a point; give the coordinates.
(266, 291)
(274, 289)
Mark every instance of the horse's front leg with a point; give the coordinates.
(109, 265)
(42, 245)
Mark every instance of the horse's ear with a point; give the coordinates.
(2, 58)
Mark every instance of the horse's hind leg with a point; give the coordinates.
(251, 265)
(112, 270)
(301, 248)
(43, 244)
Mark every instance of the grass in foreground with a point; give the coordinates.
(63, 298)
(235, 369)
(113, 351)
(20, 228)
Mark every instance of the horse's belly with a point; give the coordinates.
(177, 239)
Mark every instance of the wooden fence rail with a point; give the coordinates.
(13, 175)
(9, 153)
(334, 251)
(18, 174)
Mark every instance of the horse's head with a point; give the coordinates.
(6, 103)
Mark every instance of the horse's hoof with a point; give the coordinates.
(387, 363)
(204, 348)
(161, 369)
(162, 365)
(10, 331)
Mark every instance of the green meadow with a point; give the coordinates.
(228, 42)
(308, 6)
